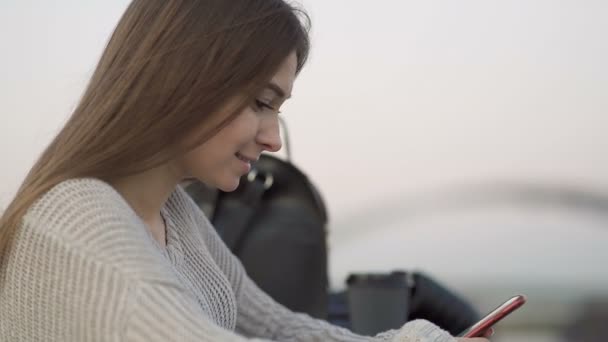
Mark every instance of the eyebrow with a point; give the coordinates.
(280, 92)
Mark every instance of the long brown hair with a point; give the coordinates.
(168, 68)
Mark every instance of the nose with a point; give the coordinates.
(269, 135)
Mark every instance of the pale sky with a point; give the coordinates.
(399, 98)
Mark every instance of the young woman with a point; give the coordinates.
(100, 242)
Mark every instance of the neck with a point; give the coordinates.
(148, 191)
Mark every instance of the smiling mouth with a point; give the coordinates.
(245, 159)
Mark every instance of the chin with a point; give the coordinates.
(229, 186)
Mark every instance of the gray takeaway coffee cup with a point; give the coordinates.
(378, 302)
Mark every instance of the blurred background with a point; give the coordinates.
(460, 138)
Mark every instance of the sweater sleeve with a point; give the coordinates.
(261, 316)
(161, 312)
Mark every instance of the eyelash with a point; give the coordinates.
(260, 105)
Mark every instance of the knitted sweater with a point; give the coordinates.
(84, 267)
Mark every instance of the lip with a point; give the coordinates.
(248, 159)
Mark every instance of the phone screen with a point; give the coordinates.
(478, 329)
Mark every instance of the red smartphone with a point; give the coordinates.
(479, 329)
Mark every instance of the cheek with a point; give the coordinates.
(195, 162)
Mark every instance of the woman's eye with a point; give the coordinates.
(261, 105)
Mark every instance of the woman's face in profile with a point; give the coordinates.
(222, 160)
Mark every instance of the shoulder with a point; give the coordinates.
(89, 217)
(74, 206)
(72, 196)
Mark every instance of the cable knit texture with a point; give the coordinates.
(84, 267)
